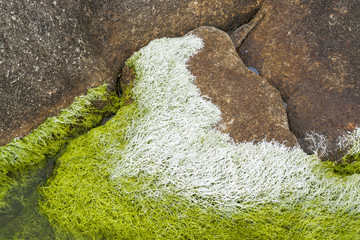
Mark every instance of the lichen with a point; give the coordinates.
(159, 169)
(21, 158)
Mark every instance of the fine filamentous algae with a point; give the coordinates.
(26, 162)
(160, 169)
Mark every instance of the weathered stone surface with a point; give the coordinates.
(251, 108)
(52, 51)
(309, 50)
(238, 35)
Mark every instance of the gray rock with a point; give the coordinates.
(52, 51)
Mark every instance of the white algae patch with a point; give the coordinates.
(175, 147)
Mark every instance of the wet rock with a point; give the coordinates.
(309, 50)
(52, 51)
(252, 109)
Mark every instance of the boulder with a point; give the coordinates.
(252, 110)
(309, 51)
(52, 51)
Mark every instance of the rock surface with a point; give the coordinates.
(309, 50)
(252, 109)
(52, 51)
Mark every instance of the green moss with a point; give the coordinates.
(80, 200)
(21, 157)
(350, 165)
(84, 199)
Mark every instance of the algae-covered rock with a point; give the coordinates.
(53, 51)
(20, 158)
(251, 109)
(160, 169)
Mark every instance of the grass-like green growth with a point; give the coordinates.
(24, 221)
(80, 201)
(350, 163)
(349, 166)
(22, 158)
(160, 170)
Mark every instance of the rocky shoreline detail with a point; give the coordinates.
(53, 51)
(309, 51)
(252, 110)
(203, 120)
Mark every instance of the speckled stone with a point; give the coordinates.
(252, 110)
(309, 50)
(52, 51)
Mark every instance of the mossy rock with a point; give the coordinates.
(26, 162)
(159, 169)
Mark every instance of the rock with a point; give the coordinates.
(52, 51)
(239, 34)
(310, 52)
(314, 109)
(251, 108)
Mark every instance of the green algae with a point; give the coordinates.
(24, 221)
(23, 161)
(82, 201)
(350, 163)
(79, 200)
(349, 166)
(123, 215)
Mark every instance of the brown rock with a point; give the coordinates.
(238, 35)
(52, 51)
(309, 50)
(251, 108)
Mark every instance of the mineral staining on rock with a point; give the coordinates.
(159, 169)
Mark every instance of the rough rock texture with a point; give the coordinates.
(238, 35)
(52, 51)
(251, 108)
(309, 50)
